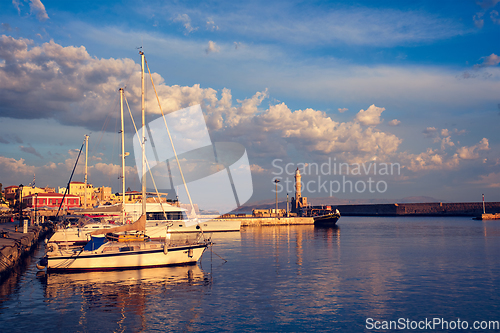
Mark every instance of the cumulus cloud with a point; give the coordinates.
(19, 172)
(55, 81)
(370, 116)
(212, 47)
(186, 21)
(442, 159)
(491, 60)
(432, 159)
(270, 131)
(66, 83)
(430, 132)
(394, 122)
(342, 110)
(472, 152)
(257, 169)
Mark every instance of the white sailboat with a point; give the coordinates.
(130, 250)
(127, 246)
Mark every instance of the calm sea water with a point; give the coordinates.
(281, 279)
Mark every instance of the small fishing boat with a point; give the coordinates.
(327, 219)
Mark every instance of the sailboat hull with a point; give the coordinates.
(123, 256)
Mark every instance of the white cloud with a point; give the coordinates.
(211, 25)
(342, 110)
(394, 122)
(212, 47)
(430, 132)
(371, 116)
(478, 20)
(492, 180)
(354, 26)
(37, 8)
(472, 152)
(186, 21)
(491, 60)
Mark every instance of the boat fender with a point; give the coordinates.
(42, 263)
(190, 253)
(165, 249)
(52, 247)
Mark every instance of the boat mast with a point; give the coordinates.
(123, 156)
(86, 158)
(143, 136)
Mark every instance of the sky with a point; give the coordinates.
(369, 99)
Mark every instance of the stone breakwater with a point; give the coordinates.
(261, 221)
(471, 209)
(14, 245)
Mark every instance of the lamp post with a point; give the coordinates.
(276, 181)
(21, 204)
(36, 209)
(484, 210)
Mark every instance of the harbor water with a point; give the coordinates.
(366, 272)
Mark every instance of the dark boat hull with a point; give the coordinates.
(326, 220)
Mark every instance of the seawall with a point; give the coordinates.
(14, 245)
(471, 209)
(259, 221)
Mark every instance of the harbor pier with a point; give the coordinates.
(14, 244)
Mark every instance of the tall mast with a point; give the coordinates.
(123, 156)
(86, 158)
(143, 136)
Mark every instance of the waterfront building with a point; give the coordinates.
(12, 192)
(51, 200)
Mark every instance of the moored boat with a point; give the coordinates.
(125, 247)
(327, 219)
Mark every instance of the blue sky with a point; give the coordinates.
(368, 82)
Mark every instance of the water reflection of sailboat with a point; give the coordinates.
(126, 297)
(58, 284)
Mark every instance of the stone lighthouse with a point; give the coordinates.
(298, 202)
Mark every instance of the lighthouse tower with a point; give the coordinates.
(299, 201)
(298, 185)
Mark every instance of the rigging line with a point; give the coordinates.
(96, 146)
(147, 162)
(171, 142)
(104, 126)
(70, 177)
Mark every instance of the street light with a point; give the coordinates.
(276, 181)
(20, 204)
(36, 209)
